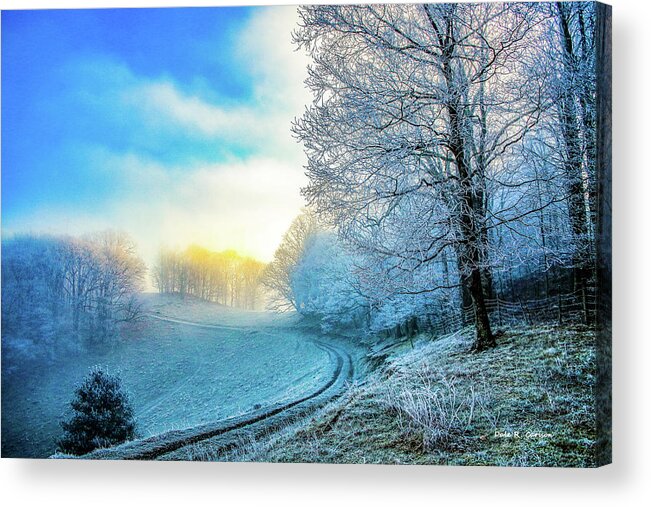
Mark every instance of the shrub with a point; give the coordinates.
(102, 415)
(431, 405)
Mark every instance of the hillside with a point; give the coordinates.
(178, 375)
(193, 309)
(528, 402)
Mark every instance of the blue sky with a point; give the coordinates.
(170, 124)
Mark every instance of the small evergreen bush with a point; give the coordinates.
(102, 415)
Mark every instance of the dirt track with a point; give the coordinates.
(229, 433)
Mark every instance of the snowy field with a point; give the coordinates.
(178, 375)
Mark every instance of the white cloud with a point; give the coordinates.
(246, 206)
(278, 72)
(243, 204)
(257, 128)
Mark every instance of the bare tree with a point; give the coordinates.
(224, 277)
(416, 109)
(60, 293)
(577, 121)
(277, 275)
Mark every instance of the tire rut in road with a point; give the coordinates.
(260, 421)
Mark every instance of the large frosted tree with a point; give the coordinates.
(416, 110)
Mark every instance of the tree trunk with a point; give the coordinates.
(487, 283)
(485, 338)
(464, 290)
(470, 251)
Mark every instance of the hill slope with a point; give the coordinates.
(527, 402)
(178, 375)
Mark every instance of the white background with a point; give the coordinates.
(626, 482)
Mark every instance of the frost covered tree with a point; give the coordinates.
(119, 279)
(224, 277)
(550, 187)
(277, 276)
(576, 116)
(416, 109)
(102, 415)
(325, 286)
(60, 293)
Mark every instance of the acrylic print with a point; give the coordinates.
(331, 234)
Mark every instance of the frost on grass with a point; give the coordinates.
(436, 408)
(436, 404)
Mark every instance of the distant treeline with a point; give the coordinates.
(223, 277)
(67, 292)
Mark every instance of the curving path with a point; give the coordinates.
(229, 433)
